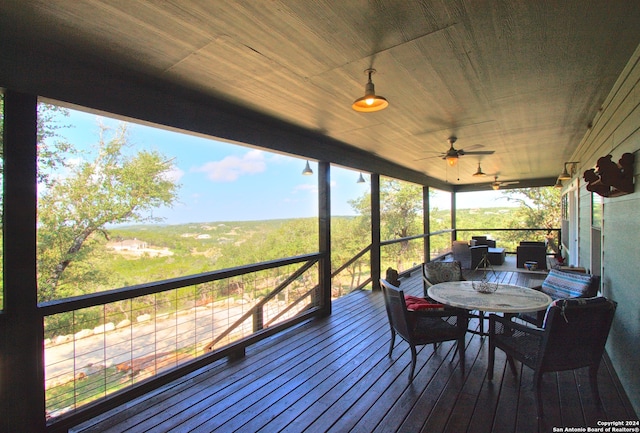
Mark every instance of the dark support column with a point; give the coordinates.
(375, 231)
(454, 233)
(21, 356)
(426, 226)
(324, 206)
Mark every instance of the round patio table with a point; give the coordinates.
(508, 298)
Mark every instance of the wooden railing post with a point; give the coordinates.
(375, 231)
(258, 319)
(324, 221)
(426, 224)
(22, 373)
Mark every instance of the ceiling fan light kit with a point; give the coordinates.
(453, 154)
(496, 184)
(370, 102)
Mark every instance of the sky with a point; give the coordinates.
(227, 182)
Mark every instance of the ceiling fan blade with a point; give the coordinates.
(476, 152)
(511, 182)
(474, 146)
(441, 155)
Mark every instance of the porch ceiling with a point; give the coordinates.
(522, 78)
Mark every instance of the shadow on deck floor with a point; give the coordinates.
(334, 375)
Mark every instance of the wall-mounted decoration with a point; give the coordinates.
(609, 179)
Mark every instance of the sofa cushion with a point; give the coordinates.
(561, 285)
(440, 272)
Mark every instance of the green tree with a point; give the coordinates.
(349, 236)
(400, 214)
(539, 207)
(52, 154)
(114, 188)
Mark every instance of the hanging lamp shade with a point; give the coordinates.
(568, 173)
(360, 179)
(370, 101)
(307, 170)
(565, 174)
(479, 172)
(558, 183)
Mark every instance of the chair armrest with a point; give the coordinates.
(445, 312)
(510, 326)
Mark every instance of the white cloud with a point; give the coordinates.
(305, 187)
(231, 168)
(174, 174)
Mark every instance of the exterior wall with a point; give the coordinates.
(616, 130)
(584, 229)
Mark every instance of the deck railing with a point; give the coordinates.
(143, 332)
(123, 342)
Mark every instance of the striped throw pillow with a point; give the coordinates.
(561, 285)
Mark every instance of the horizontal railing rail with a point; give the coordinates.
(108, 296)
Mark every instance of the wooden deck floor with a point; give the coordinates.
(334, 375)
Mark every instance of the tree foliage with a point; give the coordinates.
(400, 216)
(113, 188)
(53, 154)
(538, 207)
(400, 208)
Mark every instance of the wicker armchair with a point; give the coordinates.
(422, 327)
(468, 256)
(441, 272)
(573, 336)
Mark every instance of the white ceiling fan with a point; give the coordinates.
(496, 184)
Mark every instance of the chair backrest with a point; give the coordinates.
(440, 272)
(576, 331)
(533, 243)
(461, 252)
(477, 253)
(482, 240)
(396, 309)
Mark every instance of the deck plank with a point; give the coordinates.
(334, 375)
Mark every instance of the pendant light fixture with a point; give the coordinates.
(360, 179)
(307, 170)
(558, 183)
(479, 172)
(568, 174)
(370, 101)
